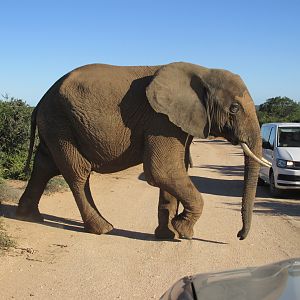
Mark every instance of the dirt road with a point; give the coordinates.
(57, 260)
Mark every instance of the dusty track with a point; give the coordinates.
(57, 260)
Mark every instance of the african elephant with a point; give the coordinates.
(107, 118)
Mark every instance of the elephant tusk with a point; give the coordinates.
(266, 161)
(261, 161)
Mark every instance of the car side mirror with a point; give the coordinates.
(267, 145)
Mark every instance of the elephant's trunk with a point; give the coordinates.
(250, 183)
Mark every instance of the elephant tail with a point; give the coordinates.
(32, 139)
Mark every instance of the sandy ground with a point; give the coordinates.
(57, 260)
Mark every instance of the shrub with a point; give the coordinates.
(15, 117)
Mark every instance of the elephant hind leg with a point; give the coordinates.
(76, 171)
(167, 210)
(95, 223)
(43, 170)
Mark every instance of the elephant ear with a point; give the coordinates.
(178, 91)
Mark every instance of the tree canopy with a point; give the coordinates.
(279, 109)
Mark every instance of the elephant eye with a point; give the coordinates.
(234, 108)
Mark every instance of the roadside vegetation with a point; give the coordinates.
(6, 241)
(279, 109)
(10, 191)
(14, 137)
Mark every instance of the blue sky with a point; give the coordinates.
(43, 40)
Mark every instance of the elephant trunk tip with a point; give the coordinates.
(242, 234)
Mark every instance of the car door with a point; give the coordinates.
(269, 151)
(268, 139)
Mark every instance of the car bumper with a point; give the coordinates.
(287, 179)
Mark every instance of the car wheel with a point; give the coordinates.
(260, 182)
(275, 192)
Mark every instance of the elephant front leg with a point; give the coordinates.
(183, 189)
(185, 221)
(167, 210)
(165, 166)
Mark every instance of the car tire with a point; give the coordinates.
(260, 182)
(275, 192)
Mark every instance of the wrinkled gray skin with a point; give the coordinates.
(106, 118)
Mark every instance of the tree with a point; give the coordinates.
(279, 109)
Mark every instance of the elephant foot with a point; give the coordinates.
(166, 232)
(97, 225)
(242, 234)
(31, 214)
(183, 226)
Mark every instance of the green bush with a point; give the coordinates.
(15, 117)
(13, 165)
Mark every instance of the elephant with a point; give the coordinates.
(106, 118)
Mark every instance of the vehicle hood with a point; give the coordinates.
(289, 153)
(280, 280)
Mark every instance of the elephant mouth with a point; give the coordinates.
(234, 141)
(262, 161)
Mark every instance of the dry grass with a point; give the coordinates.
(6, 241)
(56, 185)
(10, 192)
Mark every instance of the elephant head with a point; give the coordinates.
(205, 102)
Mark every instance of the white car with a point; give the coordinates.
(281, 146)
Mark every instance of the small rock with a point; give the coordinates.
(30, 250)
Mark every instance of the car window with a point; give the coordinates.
(265, 133)
(289, 136)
